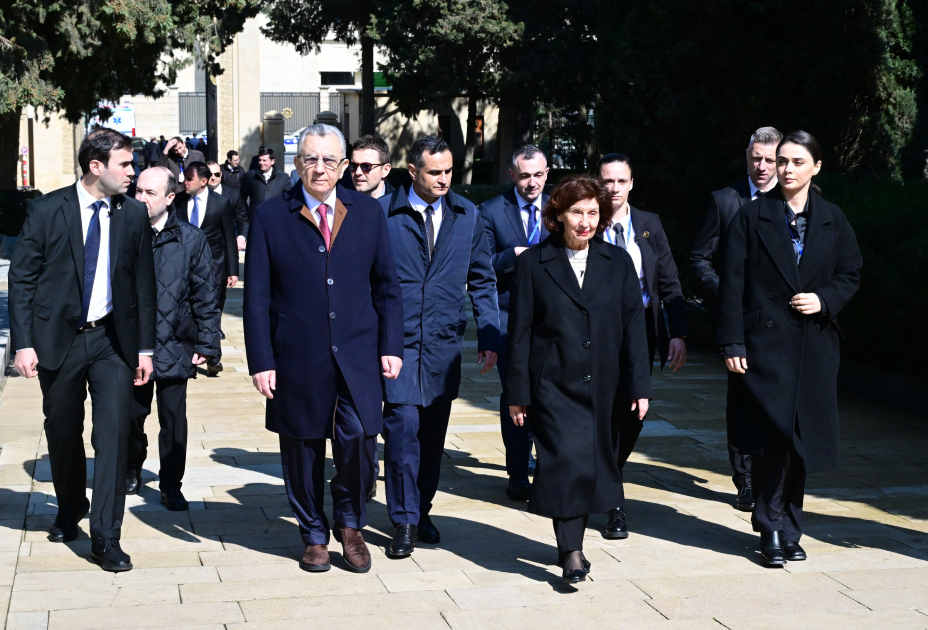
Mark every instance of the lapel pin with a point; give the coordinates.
(119, 206)
(646, 234)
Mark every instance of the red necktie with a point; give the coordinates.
(324, 224)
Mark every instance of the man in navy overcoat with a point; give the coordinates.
(514, 223)
(439, 247)
(323, 320)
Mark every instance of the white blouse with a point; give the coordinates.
(577, 260)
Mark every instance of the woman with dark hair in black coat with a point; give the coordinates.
(576, 344)
(790, 264)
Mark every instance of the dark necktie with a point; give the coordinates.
(91, 254)
(619, 235)
(430, 229)
(534, 227)
(195, 215)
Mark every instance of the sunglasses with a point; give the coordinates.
(215, 174)
(366, 167)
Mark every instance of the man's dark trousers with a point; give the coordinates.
(517, 440)
(413, 447)
(172, 437)
(779, 481)
(303, 463)
(92, 360)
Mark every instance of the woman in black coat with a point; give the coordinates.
(789, 266)
(576, 342)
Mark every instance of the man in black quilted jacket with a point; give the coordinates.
(186, 335)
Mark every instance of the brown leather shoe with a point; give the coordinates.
(354, 549)
(315, 559)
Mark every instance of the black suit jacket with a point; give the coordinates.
(255, 190)
(46, 277)
(723, 206)
(238, 208)
(218, 225)
(170, 163)
(505, 231)
(660, 274)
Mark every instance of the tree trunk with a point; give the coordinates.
(367, 86)
(513, 130)
(9, 148)
(470, 140)
(591, 148)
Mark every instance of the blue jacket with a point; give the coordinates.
(310, 312)
(433, 296)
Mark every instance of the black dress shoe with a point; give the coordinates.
(174, 499)
(133, 480)
(404, 540)
(518, 490)
(107, 553)
(573, 576)
(793, 552)
(428, 533)
(771, 549)
(616, 528)
(586, 563)
(745, 500)
(532, 463)
(65, 530)
(213, 369)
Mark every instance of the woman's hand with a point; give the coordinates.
(737, 364)
(518, 413)
(642, 406)
(806, 303)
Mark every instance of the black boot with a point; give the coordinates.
(174, 500)
(404, 540)
(745, 500)
(793, 552)
(771, 549)
(616, 528)
(107, 553)
(133, 479)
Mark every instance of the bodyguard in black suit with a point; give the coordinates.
(74, 325)
(642, 236)
(262, 183)
(212, 213)
(723, 206)
(790, 264)
(514, 223)
(234, 195)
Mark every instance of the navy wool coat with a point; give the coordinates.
(793, 359)
(433, 296)
(310, 313)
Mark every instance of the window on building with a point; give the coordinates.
(337, 78)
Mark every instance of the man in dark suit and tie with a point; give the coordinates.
(439, 247)
(234, 195)
(176, 156)
(723, 206)
(513, 222)
(323, 323)
(212, 213)
(82, 312)
(642, 236)
(263, 183)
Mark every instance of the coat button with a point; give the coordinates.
(322, 248)
(332, 316)
(770, 295)
(330, 282)
(583, 312)
(586, 344)
(587, 378)
(769, 324)
(334, 348)
(818, 327)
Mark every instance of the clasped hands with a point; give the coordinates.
(266, 382)
(805, 303)
(519, 412)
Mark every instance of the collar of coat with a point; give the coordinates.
(399, 201)
(553, 254)
(295, 201)
(821, 234)
(171, 228)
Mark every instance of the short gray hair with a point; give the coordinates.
(765, 135)
(527, 152)
(320, 130)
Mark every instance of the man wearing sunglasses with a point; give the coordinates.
(370, 165)
(234, 196)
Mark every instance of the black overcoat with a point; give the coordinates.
(792, 358)
(571, 350)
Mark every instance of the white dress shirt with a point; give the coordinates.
(577, 259)
(218, 189)
(755, 189)
(524, 212)
(201, 198)
(101, 296)
(631, 246)
(159, 226)
(417, 204)
(313, 204)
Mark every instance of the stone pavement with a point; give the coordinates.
(690, 563)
